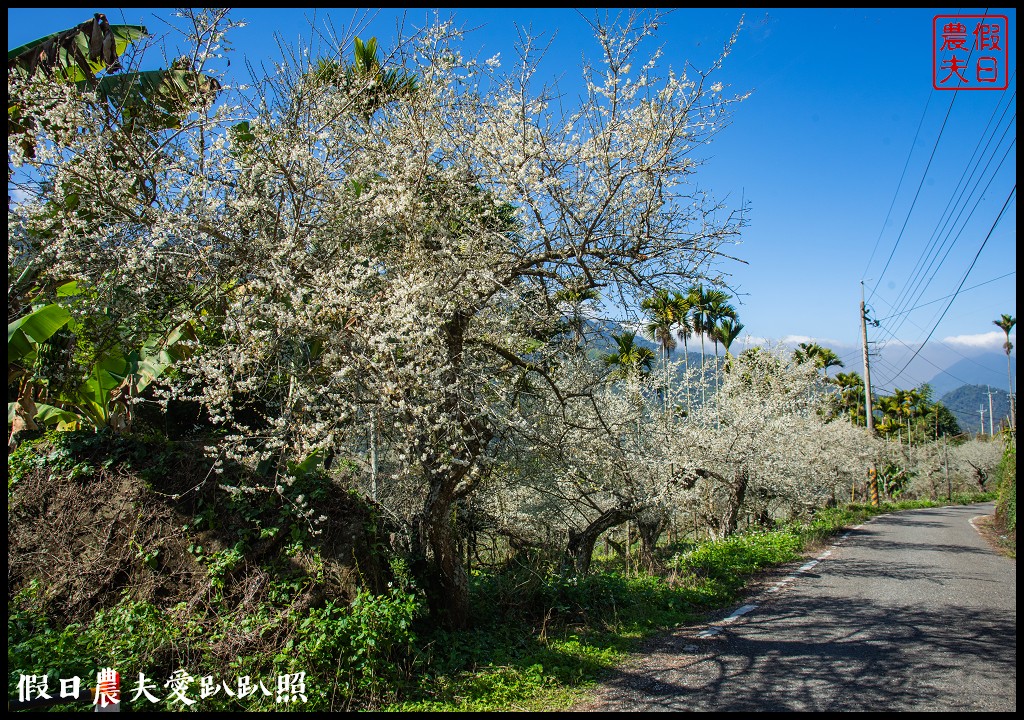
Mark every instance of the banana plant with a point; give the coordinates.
(99, 399)
(79, 54)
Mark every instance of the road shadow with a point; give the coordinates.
(869, 657)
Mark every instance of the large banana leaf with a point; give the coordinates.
(78, 53)
(93, 396)
(25, 333)
(50, 415)
(155, 97)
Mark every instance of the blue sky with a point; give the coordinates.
(850, 162)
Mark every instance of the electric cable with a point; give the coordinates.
(912, 294)
(947, 220)
(932, 302)
(1006, 204)
(917, 194)
(899, 185)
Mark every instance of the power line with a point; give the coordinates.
(991, 230)
(888, 214)
(940, 369)
(921, 268)
(890, 367)
(931, 157)
(932, 302)
(953, 350)
(952, 243)
(917, 194)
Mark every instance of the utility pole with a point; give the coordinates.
(945, 452)
(991, 430)
(981, 411)
(870, 417)
(867, 368)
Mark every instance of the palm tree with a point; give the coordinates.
(1006, 323)
(909, 406)
(827, 358)
(708, 307)
(698, 307)
(889, 406)
(684, 328)
(822, 357)
(851, 395)
(718, 309)
(628, 358)
(662, 313)
(374, 86)
(727, 331)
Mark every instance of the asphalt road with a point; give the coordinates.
(908, 612)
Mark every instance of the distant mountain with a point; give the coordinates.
(985, 369)
(967, 402)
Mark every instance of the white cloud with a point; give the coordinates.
(795, 340)
(983, 341)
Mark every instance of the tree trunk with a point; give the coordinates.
(1009, 380)
(738, 492)
(580, 548)
(441, 572)
(650, 525)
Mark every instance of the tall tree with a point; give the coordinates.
(628, 359)
(851, 396)
(1006, 323)
(404, 263)
(369, 84)
(718, 310)
(709, 305)
(662, 319)
(684, 329)
(727, 330)
(822, 357)
(826, 359)
(890, 408)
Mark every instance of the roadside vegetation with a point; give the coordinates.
(1006, 505)
(166, 582)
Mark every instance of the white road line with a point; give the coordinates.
(716, 628)
(738, 613)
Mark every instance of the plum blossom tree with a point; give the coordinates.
(972, 462)
(595, 462)
(762, 443)
(389, 265)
